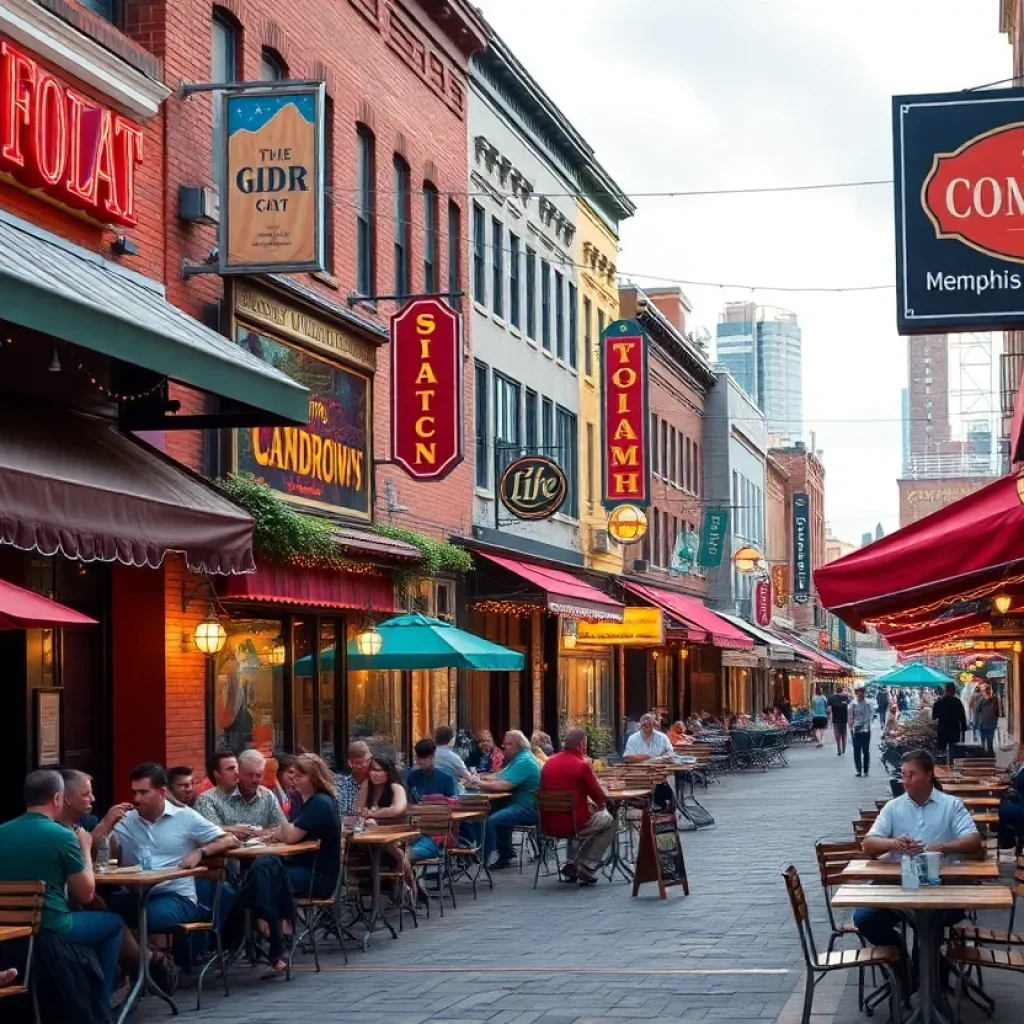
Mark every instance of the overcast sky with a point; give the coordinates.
(706, 94)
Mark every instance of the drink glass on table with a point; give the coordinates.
(145, 858)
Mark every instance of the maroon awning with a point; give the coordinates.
(313, 588)
(73, 485)
(702, 624)
(23, 609)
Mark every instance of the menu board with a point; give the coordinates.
(660, 855)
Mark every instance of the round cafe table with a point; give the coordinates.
(926, 910)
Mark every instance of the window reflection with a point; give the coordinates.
(249, 708)
(375, 713)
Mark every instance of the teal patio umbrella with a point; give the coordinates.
(914, 674)
(419, 642)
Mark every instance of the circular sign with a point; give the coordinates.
(533, 487)
(627, 523)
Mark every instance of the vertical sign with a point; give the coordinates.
(779, 588)
(801, 547)
(272, 192)
(426, 389)
(713, 533)
(625, 450)
(763, 601)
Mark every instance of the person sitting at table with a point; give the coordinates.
(923, 818)
(647, 743)
(287, 795)
(485, 758)
(172, 837)
(445, 757)
(541, 746)
(382, 796)
(76, 811)
(349, 785)
(314, 873)
(426, 783)
(36, 847)
(520, 780)
(569, 770)
(181, 785)
(240, 803)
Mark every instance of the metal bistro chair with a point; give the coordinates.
(820, 964)
(313, 912)
(21, 906)
(435, 822)
(554, 801)
(466, 858)
(216, 872)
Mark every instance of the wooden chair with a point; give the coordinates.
(560, 802)
(964, 934)
(21, 907)
(467, 854)
(435, 822)
(819, 964)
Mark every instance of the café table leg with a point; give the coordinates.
(144, 983)
(615, 861)
(932, 1007)
(376, 912)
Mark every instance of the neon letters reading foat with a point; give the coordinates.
(624, 423)
(56, 139)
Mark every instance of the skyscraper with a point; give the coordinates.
(761, 346)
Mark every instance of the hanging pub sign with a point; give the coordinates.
(959, 210)
(763, 601)
(801, 547)
(625, 453)
(779, 588)
(426, 389)
(533, 487)
(272, 192)
(713, 533)
(55, 139)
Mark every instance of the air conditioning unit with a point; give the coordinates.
(640, 565)
(601, 542)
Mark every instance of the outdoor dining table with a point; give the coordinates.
(980, 801)
(143, 882)
(926, 909)
(375, 840)
(890, 871)
(617, 798)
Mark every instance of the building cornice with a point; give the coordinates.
(61, 44)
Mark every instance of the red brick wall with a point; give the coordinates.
(367, 80)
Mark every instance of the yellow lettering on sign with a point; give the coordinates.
(426, 452)
(626, 483)
(426, 375)
(624, 432)
(297, 451)
(425, 427)
(626, 456)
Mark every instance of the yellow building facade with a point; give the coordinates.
(597, 248)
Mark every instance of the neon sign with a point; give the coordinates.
(55, 139)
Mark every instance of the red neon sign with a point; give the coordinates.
(55, 139)
(624, 454)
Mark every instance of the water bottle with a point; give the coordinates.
(145, 857)
(101, 854)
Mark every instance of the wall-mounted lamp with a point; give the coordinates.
(124, 246)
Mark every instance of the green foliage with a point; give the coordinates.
(284, 535)
(600, 740)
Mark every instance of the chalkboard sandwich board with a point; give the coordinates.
(660, 856)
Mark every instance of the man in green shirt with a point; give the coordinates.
(35, 848)
(520, 779)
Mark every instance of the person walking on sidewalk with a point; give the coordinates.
(988, 718)
(839, 703)
(863, 715)
(819, 714)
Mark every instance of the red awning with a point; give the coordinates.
(703, 626)
(74, 485)
(312, 588)
(22, 609)
(565, 594)
(937, 631)
(822, 662)
(974, 543)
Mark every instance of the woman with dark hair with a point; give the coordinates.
(316, 873)
(382, 795)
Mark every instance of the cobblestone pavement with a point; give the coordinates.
(728, 952)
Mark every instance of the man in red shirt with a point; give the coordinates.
(569, 770)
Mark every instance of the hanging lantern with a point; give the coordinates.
(1002, 603)
(210, 635)
(277, 652)
(369, 641)
(627, 524)
(747, 559)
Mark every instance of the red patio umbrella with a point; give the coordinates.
(22, 609)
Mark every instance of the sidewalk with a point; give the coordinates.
(728, 952)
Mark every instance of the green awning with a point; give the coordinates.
(417, 642)
(51, 286)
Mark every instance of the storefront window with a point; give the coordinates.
(430, 701)
(375, 712)
(303, 682)
(585, 690)
(249, 710)
(328, 635)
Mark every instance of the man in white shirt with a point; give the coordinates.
(924, 818)
(647, 743)
(445, 757)
(174, 837)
